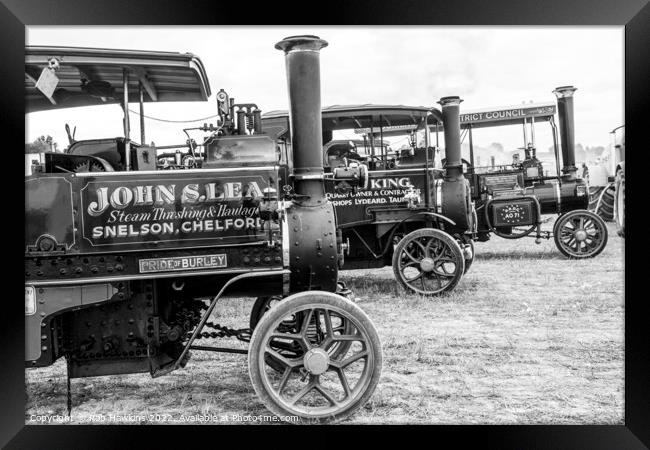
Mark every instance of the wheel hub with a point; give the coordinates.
(426, 265)
(580, 235)
(316, 361)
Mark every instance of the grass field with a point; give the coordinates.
(527, 337)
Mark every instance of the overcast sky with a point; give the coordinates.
(486, 66)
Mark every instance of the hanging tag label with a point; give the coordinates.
(47, 82)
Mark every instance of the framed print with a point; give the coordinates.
(403, 213)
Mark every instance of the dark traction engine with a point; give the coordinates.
(395, 208)
(512, 201)
(125, 298)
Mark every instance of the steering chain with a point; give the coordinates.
(242, 334)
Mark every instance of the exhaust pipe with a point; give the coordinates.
(564, 96)
(454, 195)
(451, 123)
(310, 219)
(302, 56)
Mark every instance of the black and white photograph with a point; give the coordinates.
(324, 225)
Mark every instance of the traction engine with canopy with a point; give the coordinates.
(393, 206)
(128, 252)
(511, 199)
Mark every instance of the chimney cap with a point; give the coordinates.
(305, 42)
(450, 100)
(564, 91)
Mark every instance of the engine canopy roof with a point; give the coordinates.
(94, 76)
(394, 119)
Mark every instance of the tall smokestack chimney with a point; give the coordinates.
(302, 55)
(451, 123)
(564, 96)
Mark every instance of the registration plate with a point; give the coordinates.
(513, 214)
(196, 262)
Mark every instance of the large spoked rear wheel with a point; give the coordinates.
(619, 205)
(580, 234)
(428, 262)
(314, 384)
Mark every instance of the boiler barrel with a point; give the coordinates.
(562, 197)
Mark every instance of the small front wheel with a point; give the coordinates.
(580, 234)
(428, 262)
(315, 384)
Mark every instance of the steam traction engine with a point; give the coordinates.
(393, 206)
(511, 199)
(128, 254)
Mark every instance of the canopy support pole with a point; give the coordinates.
(142, 139)
(555, 148)
(127, 125)
(532, 131)
(384, 156)
(525, 133)
(427, 178)
(471, 145)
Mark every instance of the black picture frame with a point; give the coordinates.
(633, 14)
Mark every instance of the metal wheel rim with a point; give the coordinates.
(441, 254)
(338, 365)
(580, 248)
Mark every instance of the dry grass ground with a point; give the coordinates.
(527, 337)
